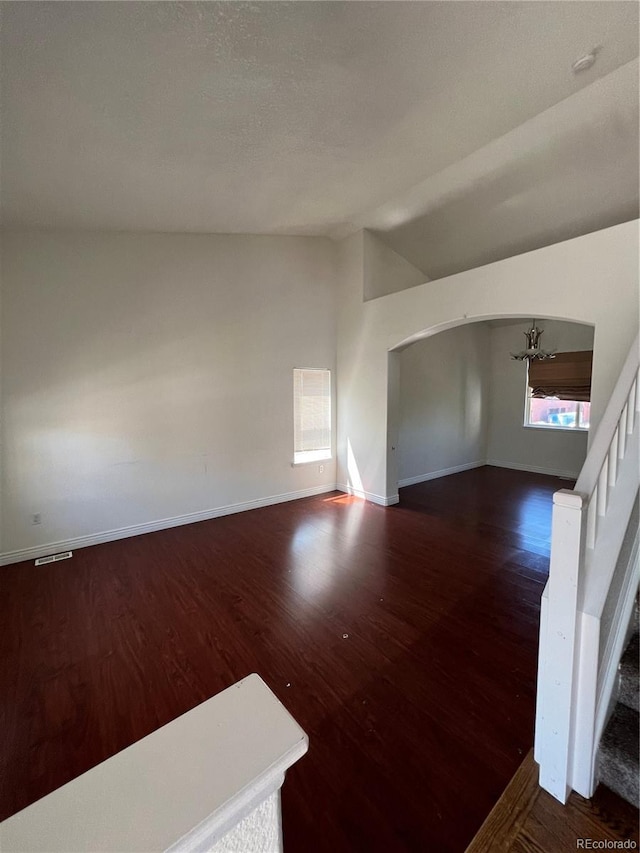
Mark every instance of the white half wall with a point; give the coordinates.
(510, 443)
(209, 780)
(591, 279)
(444, 396)
(149, 376)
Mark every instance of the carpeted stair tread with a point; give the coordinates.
(618, 757)
(629, 680)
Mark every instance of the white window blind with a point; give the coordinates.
(311, 414)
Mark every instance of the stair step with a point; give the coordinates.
(618, 764)
(629, 675)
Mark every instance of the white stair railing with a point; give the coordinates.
(590, 524)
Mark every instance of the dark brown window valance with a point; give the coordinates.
(567, 376)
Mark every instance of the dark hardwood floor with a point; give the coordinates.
(527, 819)
(417, 719)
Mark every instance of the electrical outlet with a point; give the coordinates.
(320, 469)
(36, 518)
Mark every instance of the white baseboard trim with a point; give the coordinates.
(35, 551)
(443, 472)
(534, 469)
(381, 500)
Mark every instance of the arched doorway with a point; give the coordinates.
(456, 400)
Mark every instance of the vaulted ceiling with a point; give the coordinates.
(456, 130)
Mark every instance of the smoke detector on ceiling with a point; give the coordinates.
(583, 63)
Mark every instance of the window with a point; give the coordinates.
(559, 391)
(558, 414)
(311, 415)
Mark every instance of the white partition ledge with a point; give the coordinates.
(180, 788)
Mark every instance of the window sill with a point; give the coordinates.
(556, 428)
(320, 460)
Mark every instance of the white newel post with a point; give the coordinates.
(567, 546)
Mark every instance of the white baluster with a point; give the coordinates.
(603, 491)
(613, 458)
(631, 406)
(592, 519)
(622, 433)
(621, 439)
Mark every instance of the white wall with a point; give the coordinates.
(385, 271)
(149, 376)
(510, 443)
(592, 279)
(444, 394)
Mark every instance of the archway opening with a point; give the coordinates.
(457, 400)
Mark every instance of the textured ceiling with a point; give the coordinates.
(568, 171)
(300, 117)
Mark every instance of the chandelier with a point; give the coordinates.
(533, 351)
